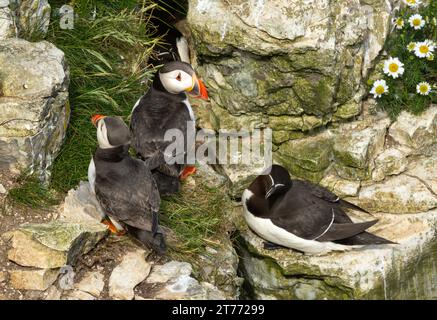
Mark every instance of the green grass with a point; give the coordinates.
(107, 57)
(31, 193)
(402, 91)
(196, 218)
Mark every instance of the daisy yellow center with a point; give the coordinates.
(411, 46)
(416, 22)
(399, 22)
(379, 90)
(412, 1)
(423, 88)
(393, 67)
(424, 49)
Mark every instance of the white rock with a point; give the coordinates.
(169, 271)
(92, 283)
(417, 132)
(128, 274)
(339, 186)
(81, 205)
(2, 189)
(42, 109)
(425, 168)
(397, 194)
(390, 162)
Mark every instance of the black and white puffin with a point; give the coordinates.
(124, 186)
(173, 45)
(165, 107)
(301, 215)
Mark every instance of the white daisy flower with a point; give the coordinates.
(393, 67)
(411, 46)
(379, 88)
(424, 49)
(416, 21)
(413, 3)
(423, 88)
(399, 23)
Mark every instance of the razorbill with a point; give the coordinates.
(303, 216)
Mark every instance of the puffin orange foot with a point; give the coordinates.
(113, 228)
(188, 171)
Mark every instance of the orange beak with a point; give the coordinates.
(198, 90)
(96, 118)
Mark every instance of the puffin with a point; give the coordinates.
(124, 186)
(165, 107)
(303, 216)
(173, 45)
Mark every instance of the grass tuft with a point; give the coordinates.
(31, 193)
(107, 56)
(196, 217)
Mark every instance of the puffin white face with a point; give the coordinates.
(177, 81)
(102, 135)
(112, 132)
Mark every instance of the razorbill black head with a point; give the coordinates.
(177, 77)
(112, 132)
(274, 180)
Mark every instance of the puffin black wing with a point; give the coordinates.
(128, 193)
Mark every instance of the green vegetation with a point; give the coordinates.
(402, 91)
(107, 56)
(31, 193)
(196, 218)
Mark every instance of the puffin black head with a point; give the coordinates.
(274, 180)
(112, 132)
(177, 77)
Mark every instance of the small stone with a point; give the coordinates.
(168, 271)
(2, 189)
(128, 274)
(40, 279)
(92, 283)
(79, 295)
(2, 276)
(53, 293)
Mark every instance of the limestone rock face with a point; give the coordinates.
(32, 17)
(286, 63)
(34, 109)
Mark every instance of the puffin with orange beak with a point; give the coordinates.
(124, 186)
(166, 107)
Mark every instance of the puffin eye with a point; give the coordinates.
(179, 77)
